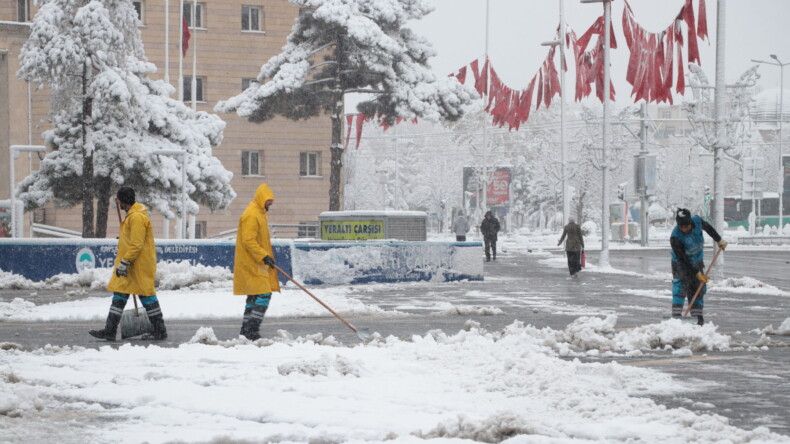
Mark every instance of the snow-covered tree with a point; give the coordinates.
(108, 117)
(367, 48)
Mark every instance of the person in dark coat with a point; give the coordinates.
(489, 227)
(687, 252)
(574, 245)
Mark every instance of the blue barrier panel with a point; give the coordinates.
(370, 261)
(40, 259)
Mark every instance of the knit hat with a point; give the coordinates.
(683, 217)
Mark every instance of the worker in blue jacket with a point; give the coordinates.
(688, 266)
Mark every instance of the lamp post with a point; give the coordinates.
(182, 154)
(13, 152)
(603, 260)
(563, 147)
(781, 120)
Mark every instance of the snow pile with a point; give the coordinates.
(169, 276)
(746, 285)
(592, 336)
(471, 385)
(783, 330)
(198, 305)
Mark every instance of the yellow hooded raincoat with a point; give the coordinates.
(250, 275)
(136, 245)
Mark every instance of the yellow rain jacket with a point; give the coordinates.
(250, 275)
(136, 245)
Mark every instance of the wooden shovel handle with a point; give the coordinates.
(313, 296)
(699, 288)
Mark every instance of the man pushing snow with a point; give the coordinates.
(687, 261)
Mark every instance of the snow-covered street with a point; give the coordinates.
(529, 355)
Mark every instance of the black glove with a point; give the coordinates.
(268, 260)
(121, 270)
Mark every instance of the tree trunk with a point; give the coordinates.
(102, 208)
(336, 163)
(87, 160)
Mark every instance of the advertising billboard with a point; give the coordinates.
(498, 189)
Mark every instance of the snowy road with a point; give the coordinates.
(473, 381)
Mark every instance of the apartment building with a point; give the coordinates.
(231, 39)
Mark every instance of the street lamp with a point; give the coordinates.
(607, 20)
(563, 147)
(182, 155)
(781, 119)
(13, 152)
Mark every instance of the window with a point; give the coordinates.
(307, 229)
(250, 163)
(40, 216)
(23, 10)
(251, 18)
(200, 229)
(138, 6)
(308, 164)
(198, 23)
(200, 96)
(666, 114)
(246, 82)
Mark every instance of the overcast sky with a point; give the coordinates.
(755, 29)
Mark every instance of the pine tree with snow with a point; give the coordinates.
(108, 117)
(367, 48)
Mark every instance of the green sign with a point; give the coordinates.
(352, 230)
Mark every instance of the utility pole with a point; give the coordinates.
(642, 184)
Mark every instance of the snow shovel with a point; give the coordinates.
(135, 322)
(699, 288)
(362, 333)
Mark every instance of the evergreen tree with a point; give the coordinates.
(367, 49)
(108, 117)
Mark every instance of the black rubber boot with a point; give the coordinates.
(157, 321)
(700, 321)
(253, 316)
(113, 319)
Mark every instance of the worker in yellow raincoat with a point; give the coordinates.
(135, 269)
(253, 264)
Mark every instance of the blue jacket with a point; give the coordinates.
(687, 248)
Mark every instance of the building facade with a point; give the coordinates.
(230, 40)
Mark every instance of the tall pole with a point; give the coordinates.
(603, 261)
(641, 173)
(484, 179)
(181, 51)
(184, 196)
(721, 130)
(720, 96)
(194, 55)
(167, 41)
(566, 198)
(781, 164)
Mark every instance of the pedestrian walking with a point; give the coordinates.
(574, 245)
(489, 227)
(253, 264)
(135, 269)
(460, 228)
(688, 244)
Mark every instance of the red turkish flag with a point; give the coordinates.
(185, 38)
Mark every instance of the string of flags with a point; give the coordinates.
(650, 69)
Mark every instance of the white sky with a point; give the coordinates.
(755, 29)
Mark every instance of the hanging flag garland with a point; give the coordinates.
(650, 69)
(653, 55)
(589, 64)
